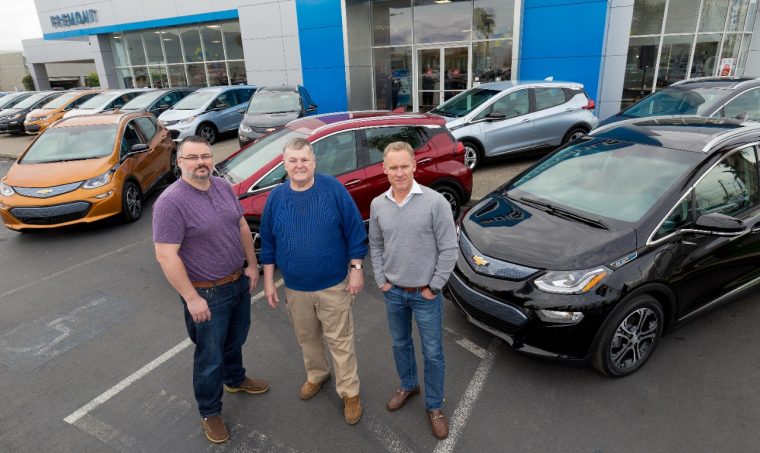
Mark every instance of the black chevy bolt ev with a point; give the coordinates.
(596, 250)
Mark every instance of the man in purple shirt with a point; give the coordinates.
(202, 241)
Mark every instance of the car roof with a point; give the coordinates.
(292, 88)
(346, 120)
(97, 119)
(729, 83)
(223, 88)
(506, 84)
(685, 133)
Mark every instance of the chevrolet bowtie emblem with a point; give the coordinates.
(479, 260)
(270, 129)
(44, 191)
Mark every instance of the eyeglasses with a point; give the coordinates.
(193, 157)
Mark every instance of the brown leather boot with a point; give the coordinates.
(352, 409)
(309, 389)
(400, 397)
(439, 424)
(215, 430)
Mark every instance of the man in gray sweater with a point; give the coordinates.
(413, 245)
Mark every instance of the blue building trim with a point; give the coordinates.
(563, 39)
(323, 65)
(157, 23)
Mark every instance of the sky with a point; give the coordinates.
(20, 22)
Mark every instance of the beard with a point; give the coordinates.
(196, 176)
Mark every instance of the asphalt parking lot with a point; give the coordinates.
(94, 357)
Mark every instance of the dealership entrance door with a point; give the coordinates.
(442, 73)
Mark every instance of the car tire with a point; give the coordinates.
(473, 154)
(174, 171)
(452, 197)
(574, 134)
(131, 202)
(622, 348)
(208, 131)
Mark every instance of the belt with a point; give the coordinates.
(222, 281)
(413, 289)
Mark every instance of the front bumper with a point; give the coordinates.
(179, 132)
(16, 126)
(80, 206)
(32, 128)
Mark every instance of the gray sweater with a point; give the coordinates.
(414, 245)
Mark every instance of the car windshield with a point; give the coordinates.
(142, 101)
(195, 101)
(677, 101)
(609, 178)
(9, 101)
(259, 154)
(98, 101)
(61, 144)
(274, 102)
(61, 101)
(464, 103)
(31, 100)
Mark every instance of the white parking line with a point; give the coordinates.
(139, 374)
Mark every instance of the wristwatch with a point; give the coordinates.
(435, 291)
(355, 266)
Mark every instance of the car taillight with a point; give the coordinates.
(590, 106)
(459, 149)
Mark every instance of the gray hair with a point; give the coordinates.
(297, 144)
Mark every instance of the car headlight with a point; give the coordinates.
(572, 282)
(6, 190)
(188, 120)
(97, 181)
(244, 128)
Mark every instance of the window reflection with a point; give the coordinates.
(233, 40)
(212, 42)
(674, 59)
(492, 19)
(492, 61)
(393, 78)
(392, 22)
(191, 42)
(135, 48)
(441, 22)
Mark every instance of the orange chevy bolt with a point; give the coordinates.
(86, 168)
(39, 119)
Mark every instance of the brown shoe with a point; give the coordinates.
(249, 385)
(399, 398)
(215, 430)
(352, 409)
(439, 424)
(309, 389)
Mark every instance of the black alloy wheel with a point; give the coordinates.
(472, 155)
(574, 134)
(629, 337)
(131, 202)
(208, 131)
(452, 197)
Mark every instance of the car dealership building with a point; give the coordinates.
(365, 54)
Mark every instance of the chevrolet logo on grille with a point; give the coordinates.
(270, 129)
(44, 191)
(479, 260)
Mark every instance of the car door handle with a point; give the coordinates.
(569, 110)
(526, 120)
(424, 161)
(353, 182)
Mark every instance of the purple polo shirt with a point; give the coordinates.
(205, 224)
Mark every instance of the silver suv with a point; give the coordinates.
(498, 118)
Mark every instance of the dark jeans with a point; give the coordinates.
(400, 306)
(219, 342)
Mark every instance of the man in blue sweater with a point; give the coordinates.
(312, 230)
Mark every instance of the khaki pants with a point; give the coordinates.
(324, 317)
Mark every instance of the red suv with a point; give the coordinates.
(350, 147)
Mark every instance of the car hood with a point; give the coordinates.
(173, 115)
(56, 173)
(452, 121)
(80, 112)
(269, 119)
(501, 228)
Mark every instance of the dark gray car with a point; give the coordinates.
(271, 108)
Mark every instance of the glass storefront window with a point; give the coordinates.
(196, 74)
(647, 17)
(158, 76)
(125, 78)
(492, 61)
(177, 76)
(391, 22)
(172, 45)
(674, 59)
(191, 42)
(393, 77)
(212, 42)
(232, 40)
(751, 15)
(236, 71)
(119, 49)
(639, 69)
(705, 55)
(217, 74)
(713, 15)
(141, 77)
(743, 50)
(737, 13)
(442, 22)
(682, 16)
(135, 48)
(152, 40)
(492, 18)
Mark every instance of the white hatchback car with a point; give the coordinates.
(500, 118)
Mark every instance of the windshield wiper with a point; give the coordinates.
(564, 213)
(63, 160)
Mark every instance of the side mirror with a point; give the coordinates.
(241, 111)
(719, 223)
(163, 106)
(139, 148)
(312, 108)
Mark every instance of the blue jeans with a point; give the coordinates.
(219, 342)
(400, 306)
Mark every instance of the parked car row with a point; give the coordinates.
(624, 232)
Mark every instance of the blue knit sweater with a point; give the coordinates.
(312, 235)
